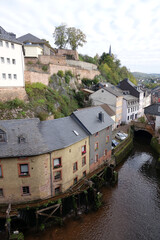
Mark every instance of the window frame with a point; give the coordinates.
(96, 134)
(59, 187)
(19, 170)
(96, 146)
(107, 139)
(75, 170)
(15, 76)
(75, 180)
(83, 151)
(84, 173)
(3, 75)
(25, 194)
(1, 43)
(12, 45)
(2, 60)
(83, 162)
(1, 190)
(96, 159)
(59, 165)
(58, 179)
(1, 176)
(7, 44)
(13, 61)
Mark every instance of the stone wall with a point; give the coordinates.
(71, 54)
(7, 94)
(82, 65)
(59, 60)
(32, 77)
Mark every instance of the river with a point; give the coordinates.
(130, 210)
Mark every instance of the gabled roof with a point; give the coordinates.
(129, 97)
(6, 36)
(30, 38)
(153, 109)
(61, 133)
(108, 110)
(88, 119)
(114, 90)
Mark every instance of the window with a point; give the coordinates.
(2, 136)
(75, 167)
(14, 61)
(96, 134)
(24, 169)
(15, 76)
(57, 176)
(57, 163)
(1, 43)
(83, 149)
(8, 60)
(96, 158)
(1, 174)
(1, 192)
(84, 174)
(25, 190)
(7, 44)
(21, 139)
(75, 180)
(96, 146)
(105, 152)
(128, 118)
(57, 190)
(107, 139)
(9, 76)
(2, 59)
(83, 161)
(12, 45)
(3, 75)
(128, 110)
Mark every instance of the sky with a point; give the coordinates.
(131, 27)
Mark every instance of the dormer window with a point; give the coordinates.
(2, 136)
(21, 139)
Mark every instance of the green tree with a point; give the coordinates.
(75, 38)
(60, 36)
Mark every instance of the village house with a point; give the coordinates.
(155, 95)
(38, 160)
(11, 67)
(112, 97)
(98, 124)
(152, 113)
(111, 113)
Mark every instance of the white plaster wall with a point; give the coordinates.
(141, 110)
(33, 51)
(18, 68)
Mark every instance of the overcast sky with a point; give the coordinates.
(131, 27)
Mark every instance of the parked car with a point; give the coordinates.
(114, 143)
(120, 136)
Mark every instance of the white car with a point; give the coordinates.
(121, 136)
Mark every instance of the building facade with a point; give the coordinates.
(130, 108)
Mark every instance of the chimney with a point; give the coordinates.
(101, 116)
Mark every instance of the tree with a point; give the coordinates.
(75, 38)
(60, 36)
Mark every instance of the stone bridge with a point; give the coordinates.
(144, 127)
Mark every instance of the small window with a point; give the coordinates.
(12, 45)
(8, 60)
(84, 174)
(96, 158)
(57, 176)
(96, 134)
(75, 180)
(2, 136)
(83, 161)
(21, 139)
(13, 61)
(15, 76)
(107, 139)
(96, 146)
(128, 118)
(1, 43)
(128, 110)
(83, 149)
(75, 167)
(105, 152)
(25, 190)
(7, 44)
(1, 175)
(57, 190)
(57, 163)
(9, 76)
(23, 169)
(2, 59)
(3, 75)
(1, 192)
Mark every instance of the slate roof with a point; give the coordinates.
(41, 137)
(130, 97)
(59, 133)
(108, 110)
(30, 38)
(113, 90)
(88, 119)
(28, 128)
(153, 109)
(6, 36)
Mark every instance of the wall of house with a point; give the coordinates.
(7, 94)
(32, 77)
(157, 123)
(14, 72)
(69, 156)
(119, 103)
(103, 138)
(32, 50)
(38, 179)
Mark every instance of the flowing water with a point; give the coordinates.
(130, 211)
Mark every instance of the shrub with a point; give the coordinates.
(29, 62)
(15, 103)
(69, 73)
(87, 81)
(60, 73)
(67, 79)
(41, 101)
(141, 119)
(42, 116)
(45, 68)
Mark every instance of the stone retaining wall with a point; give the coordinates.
(7, 94)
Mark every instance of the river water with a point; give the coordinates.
(130, 211)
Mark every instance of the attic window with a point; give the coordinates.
(21, 139)
(2, 136)
(75, 132)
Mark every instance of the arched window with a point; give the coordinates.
(2, 136)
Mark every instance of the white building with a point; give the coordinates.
(11, 61)
(130, 108)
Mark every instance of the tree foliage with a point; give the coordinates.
(68, 36)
